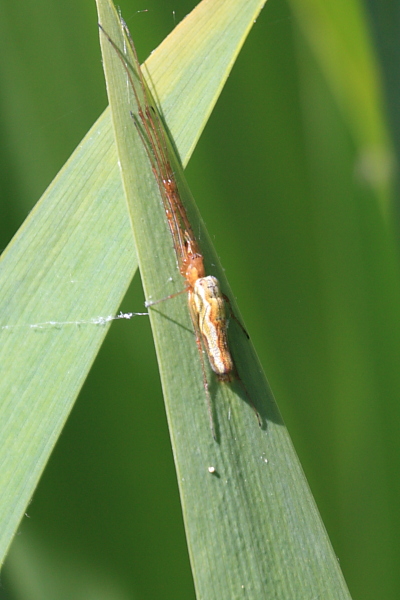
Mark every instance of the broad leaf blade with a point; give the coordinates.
(59, 285)
(71, 263)
(251, 523)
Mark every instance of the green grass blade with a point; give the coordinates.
(59, 281)
(70, 263)
(251, 523)
(339, 38)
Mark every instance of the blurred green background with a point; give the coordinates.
(303, 220)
